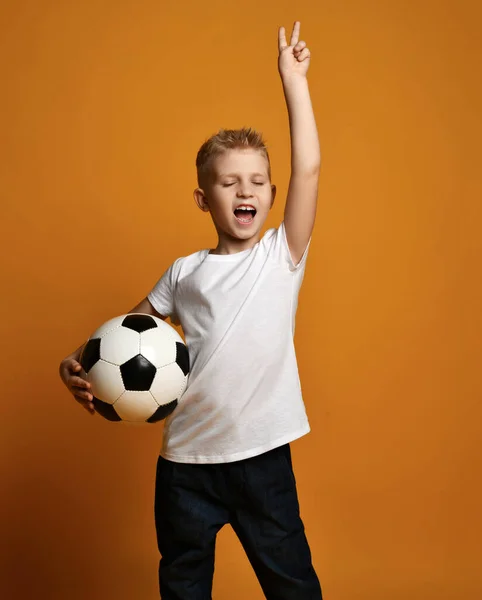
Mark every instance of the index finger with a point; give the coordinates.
(74, 365)
(282, 39)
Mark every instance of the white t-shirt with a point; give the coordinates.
(237, 312)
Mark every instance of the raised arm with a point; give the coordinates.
(300, 208)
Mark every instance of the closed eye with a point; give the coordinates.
(255, 183)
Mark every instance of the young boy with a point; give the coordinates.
(225, 456)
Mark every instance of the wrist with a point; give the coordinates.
(293, 80)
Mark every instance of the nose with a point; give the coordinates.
(244, 191)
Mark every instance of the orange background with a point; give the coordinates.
(104, 106)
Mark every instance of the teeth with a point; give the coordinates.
(244, 208)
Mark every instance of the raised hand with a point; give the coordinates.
(295, 58)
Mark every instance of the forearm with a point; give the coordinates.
(305, 145)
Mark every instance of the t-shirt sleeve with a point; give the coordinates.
(280, 250)
(162, 295)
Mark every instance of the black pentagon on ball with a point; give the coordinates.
(182, 357)
(90, 354)
(138, 374)
(106, 410)
(139, 323)
(162, 412)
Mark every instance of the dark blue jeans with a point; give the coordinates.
(258, 497)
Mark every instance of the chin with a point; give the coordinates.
(247, 232)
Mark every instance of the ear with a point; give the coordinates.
(273, 195)
(200, 199)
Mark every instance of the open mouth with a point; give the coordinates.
(245, 216)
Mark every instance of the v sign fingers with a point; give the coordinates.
(295, 35)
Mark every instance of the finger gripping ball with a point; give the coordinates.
(138, 367)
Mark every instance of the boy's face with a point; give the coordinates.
(237, 177)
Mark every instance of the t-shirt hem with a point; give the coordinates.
(226, 458)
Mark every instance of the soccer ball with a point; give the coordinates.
(138, 367)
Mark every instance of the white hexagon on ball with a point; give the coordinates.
(169, 384)
(135, 406)
(119, 345)
(106, 381)
(160, 350)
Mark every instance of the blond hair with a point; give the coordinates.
(228, 139)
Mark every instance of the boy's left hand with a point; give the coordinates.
(295, 58)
